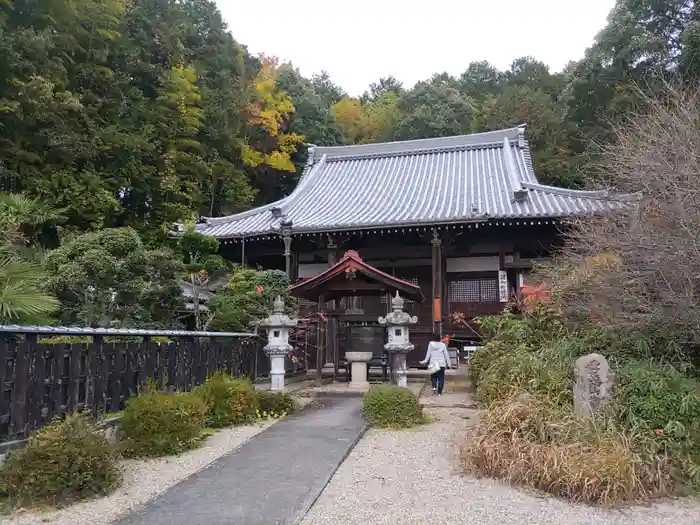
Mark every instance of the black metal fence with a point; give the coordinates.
(41, 380)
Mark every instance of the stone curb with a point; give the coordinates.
(314, 395)
(453, 405)
(301, 514)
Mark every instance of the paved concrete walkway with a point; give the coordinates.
(273, 479)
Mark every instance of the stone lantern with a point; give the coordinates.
(399, 345)
(277, 347)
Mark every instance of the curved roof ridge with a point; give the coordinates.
(303, 185)
(422, 151)
(468, 178)
(405, 146)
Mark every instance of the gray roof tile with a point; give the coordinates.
(432, 181)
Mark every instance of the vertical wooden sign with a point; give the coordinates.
(503, 286)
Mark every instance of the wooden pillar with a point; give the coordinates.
(437, 282)
(321, 339)
(332, 331)
(518, 280)
(294, 270)
(332, 251)
(287, 239)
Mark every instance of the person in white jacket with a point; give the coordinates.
(437, 353)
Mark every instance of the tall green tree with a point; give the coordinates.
(643, 45)
(109, 278)
(382, 87)
(313, 119)
(546, 132)
(434, 108)
(481, 80)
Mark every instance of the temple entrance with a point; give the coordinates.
(350, 328)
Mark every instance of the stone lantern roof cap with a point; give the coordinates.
(398, 317)
(278, 319)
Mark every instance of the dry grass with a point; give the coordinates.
(530, 442)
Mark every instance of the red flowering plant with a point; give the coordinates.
(534, 294)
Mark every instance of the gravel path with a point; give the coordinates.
(143, 481)
(409, 477)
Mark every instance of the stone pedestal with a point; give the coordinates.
(400, 370)
(358, 361)
(277, 372)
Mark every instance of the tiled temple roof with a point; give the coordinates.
(467, 178)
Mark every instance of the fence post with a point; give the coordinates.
(258, 345)
(35, 377)
(18, 408)
(146, 363)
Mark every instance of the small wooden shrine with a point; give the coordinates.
(349, 280)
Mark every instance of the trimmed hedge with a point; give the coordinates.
(63, 462)
(390, 406)
(161, 424)
(228, 401)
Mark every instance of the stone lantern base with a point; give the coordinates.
(277, 368)
(358, 361)
(398, 366)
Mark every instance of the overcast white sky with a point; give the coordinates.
(358, 41)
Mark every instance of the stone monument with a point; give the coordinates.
(593, 383)
(277, 347)
(399, 345)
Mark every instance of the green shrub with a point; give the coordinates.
(62, 462)
(662, 400)
(508, 333)
(507, 327)
(160, 424)
(482, 359)
(228, 401)
(275, 404)
(391, 406)
(528, 371)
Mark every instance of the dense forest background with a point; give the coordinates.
(142, 113)
(119, 118)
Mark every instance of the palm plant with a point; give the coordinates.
(21, 217)
(22, 300)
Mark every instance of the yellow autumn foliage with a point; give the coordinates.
(353, 119)
(270, 110)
